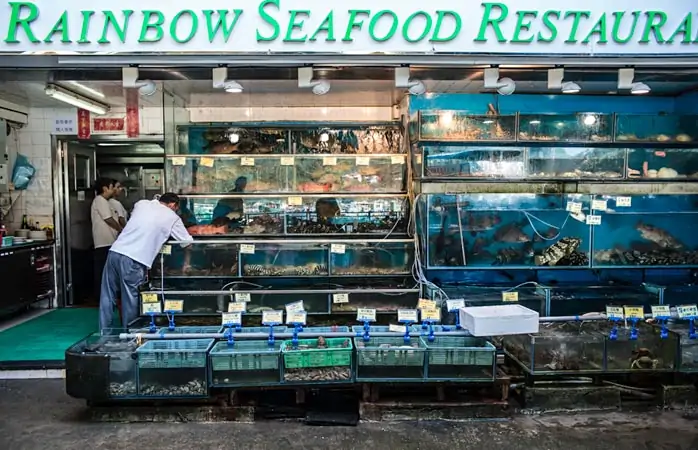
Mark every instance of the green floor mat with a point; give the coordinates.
(45, 338)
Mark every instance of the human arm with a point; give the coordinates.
(105, 213)
(180, 233)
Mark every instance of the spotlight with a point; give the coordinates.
(221, 81)
(413, 85)
(570, 87)
(232, 87)
(320, 87)
(148, 88)
(639, 88)
(589, 120)
(506, 86)
(417, 87)
(130, 80)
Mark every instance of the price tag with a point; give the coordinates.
(246, 161)
(615, 312)
(593, 220)
(397, 159)
(396, 328)
(151, 308)
(338, 248)
(424, 303)
(243, 297)
(247, 249)
(295, 201)
(624, 201)
(510, 296)
(574, 207)
(206, 162)
(363, 160)
(431, 315)
(366, 315)
(340, 298)
(288, 161)
(407, 315)
(687, 311)
(150, 298)
(272, 317)
(418, 159)
(329, 161)
(166, 250)
(634, 312)
(294, 307)
(296, 317)
(179, 161)
(455, 305)
(237, 307)
(231, 318)
(661, 311)
(599, 205)
(579, 217)
(174, 305)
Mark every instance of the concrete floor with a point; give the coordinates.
(36, 414)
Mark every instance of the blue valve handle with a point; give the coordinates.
(152, 327)
(238, 328)
(424, 326)
(171, 320)
(633, 330)
(230, 335)
(664, 332)
(271, 339)
(613, 335)
(294, 339)
(406, 337)
(692, 328)
(431, 332)
(458, 327)
(367, 330)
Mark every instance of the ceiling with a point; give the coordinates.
(351, 86)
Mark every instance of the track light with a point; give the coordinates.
(76, 100)
(232, 87)
(221, 81)
(413, 85)
(639, 88)
(570, 87)
(320, 86)
(504, 86)
(130, 80)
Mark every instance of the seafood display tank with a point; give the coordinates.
(282, 215)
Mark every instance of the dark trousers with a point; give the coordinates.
(100, 259)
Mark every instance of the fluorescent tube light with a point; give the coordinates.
(74, 99)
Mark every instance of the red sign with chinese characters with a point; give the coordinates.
(103, 125)
(133, 119)
(84, 128)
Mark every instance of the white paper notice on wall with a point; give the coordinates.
(593, 220)
(65, 125)
(624, 202)
(599, 205)
(81, 196)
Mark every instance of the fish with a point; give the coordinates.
(511, 233)
(199, 230)
(479, 245)
(658, 236)
(480, 222)
(220, 148)
(550, 233)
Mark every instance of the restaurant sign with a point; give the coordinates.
(582, 27)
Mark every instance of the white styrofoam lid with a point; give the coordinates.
(499, 311)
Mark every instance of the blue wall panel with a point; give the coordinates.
(687, 103)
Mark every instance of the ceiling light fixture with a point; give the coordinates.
(555, 81)
(130, 80)
(639, 88)
(570, 87)
(626, 80)
(77, 100)
(306, 79)
(321, 86)
(221, 81)
(232, 87)
(86, 89)
(504, 86)
(413, 85)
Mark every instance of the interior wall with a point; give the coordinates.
(687, 103)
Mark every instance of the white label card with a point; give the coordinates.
(661, 311)
(366, 315)
(579, 217)
(288, 161)
(296, 317)
(396, 328)
(231, 318)
(295, 201)
(397, 159)
(431, 315)
(407, 315)
(593, 220)
(340, 298)
(272, 317)
(246, 161)
(237, 307)
(295, 307)
(455, 305)
(151, 308)
(574, 207)
(179, 161)
(206, 162)
(174, 305)
(624, 202)
(615, 312)
(599, 205)
(363, 160)
(329, 161)
(340, 249)
(247, 249)
(243, 297)
(424, 303)
(687, 311)
(166, 250)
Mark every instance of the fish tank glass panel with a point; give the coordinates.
(649, 352)
(578, 300)
(689, 347)
(363, 141)
(285, 259)
(372, 258)
(506, 230)
(233, 215)
(370, 173)
(582, 127)
(417, 158)
(663, 164)
(232, 140)
(656, 128)
(576, 162)
(473, 162)
(458, 126)
(532, 297)
(202, 259)
(227, 174)
(655, 230)
(383, 303)
(372, 215)
(266, 300)
(559, 347)
(681, 295)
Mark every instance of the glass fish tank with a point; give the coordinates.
(372, 258)
(646, 231)
(227, 174)
(581, 127)
(472, 162)
(656, 128)
(558, 348)
(459, 126)
(578, 300)
(350, 174)
(506, 230)
(202, 259)
(648, 352)
(530, 296)
(232, 140)
(576, 162)
(689, 346)
(374, 140)
(283, 259)
(173, 368)
(256, 300)
(663, 164)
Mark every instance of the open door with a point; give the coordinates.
(79, 174)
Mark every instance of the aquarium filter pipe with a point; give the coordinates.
(283, 335)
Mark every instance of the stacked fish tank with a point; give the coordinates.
(283, 215)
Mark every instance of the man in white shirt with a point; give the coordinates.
(116, 205)
(132, 255)
(105, 228)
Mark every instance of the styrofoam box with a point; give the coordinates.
(498, 320)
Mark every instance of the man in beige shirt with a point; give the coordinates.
(105, 227)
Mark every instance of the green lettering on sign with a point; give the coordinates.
(353, 24)
(550, 25)
(617, 23)
(110, 19)
(441, 15)
(522, 24)
(572, 39)
(175, 22)
(327, 26)
(374, 22)
(221, 23)
(17, 21)
(86, 17)
(61, 27)
(425, 30)
(268, 19)
(493, 22)
(685, 28)
(148, 16)
(294, 24)
(654, 27)
(599, 29)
